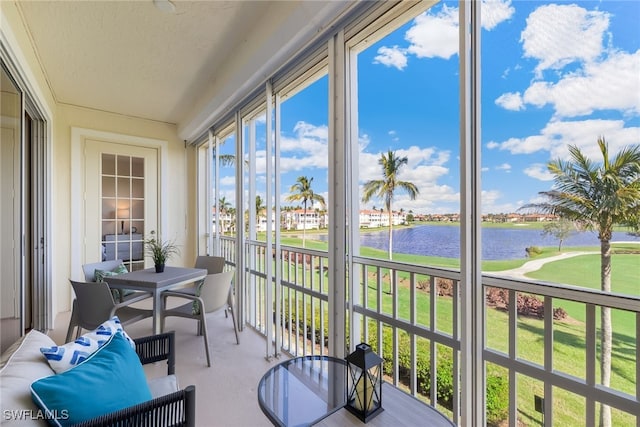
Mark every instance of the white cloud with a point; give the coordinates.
(490, 203)
(510, 101)
(504, 167)
(391, 57)
(228, 181)
(556, 136)
(434, 35)
(557, 35)
(306, 149)
(538, 171)
(424, 168)
(611, 84)
(494, 12)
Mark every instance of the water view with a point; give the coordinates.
(497, 243)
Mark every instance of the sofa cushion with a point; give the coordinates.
(163, 385)
(64, 357)
(111, 379)
(24, 365)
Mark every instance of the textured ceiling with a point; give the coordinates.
(131, 58)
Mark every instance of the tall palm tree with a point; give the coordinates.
(302, 190)
(598, 196)
(386, 187)
(224, 206)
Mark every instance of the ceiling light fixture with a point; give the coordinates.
(165, 6)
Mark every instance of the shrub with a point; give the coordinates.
(533, 251)
(527, 305)
(497, 387)
(497, 399)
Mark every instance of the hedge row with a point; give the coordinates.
(497, 392)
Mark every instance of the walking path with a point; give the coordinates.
(535, 264)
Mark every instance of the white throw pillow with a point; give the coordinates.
(64, 357)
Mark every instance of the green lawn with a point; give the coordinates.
(569, 336)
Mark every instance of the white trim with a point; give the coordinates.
(337, 247)
(78, 137)
(18, 68)
(9, 53)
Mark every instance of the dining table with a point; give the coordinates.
(155, 283)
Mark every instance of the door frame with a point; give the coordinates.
(33, 103)
(79, 136)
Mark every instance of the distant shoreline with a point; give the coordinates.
(508, 225)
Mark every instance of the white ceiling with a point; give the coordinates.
(131, 58)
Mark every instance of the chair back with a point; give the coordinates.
(215, 290)
(94, 303)
(90, 269)
(213, 264)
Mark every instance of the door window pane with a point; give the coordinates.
(123, 209)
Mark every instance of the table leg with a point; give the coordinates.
(157, 307)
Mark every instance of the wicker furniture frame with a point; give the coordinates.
(175, 409)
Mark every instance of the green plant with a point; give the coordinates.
(160, 251)
(533, 251)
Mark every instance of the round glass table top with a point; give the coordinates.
(303, 390)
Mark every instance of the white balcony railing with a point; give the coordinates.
(414, 312)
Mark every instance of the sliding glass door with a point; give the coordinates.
(23, 282)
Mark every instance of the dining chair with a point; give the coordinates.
(214, 294)
(94, 305)
(213, 264)
(107, 268)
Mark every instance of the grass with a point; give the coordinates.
(569, 336)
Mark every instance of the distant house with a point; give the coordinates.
(227, 221)
(372, 218)
(297, 220)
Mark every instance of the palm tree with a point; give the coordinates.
(224, 205)
(598, 196)
(302, 190)
(260, 207)
(386, 188)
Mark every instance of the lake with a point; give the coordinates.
(497, 243)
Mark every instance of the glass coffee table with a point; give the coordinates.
(303, 390)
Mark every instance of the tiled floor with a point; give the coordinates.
(227, 391)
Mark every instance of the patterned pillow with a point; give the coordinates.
(118, 294)
(64, 357)
(112, 378)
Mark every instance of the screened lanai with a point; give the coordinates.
(322, 90)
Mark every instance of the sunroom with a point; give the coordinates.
(123, 118)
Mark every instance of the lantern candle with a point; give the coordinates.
(364, 384)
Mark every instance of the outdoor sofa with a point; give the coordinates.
(23, 365)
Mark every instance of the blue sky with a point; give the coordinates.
(553, 74)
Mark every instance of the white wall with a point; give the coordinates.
(179, 190)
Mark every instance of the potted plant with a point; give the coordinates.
(160, 251)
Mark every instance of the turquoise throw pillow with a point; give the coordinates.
(110, 379)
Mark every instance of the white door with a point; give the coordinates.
(121, 201)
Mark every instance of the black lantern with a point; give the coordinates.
(364, 383)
